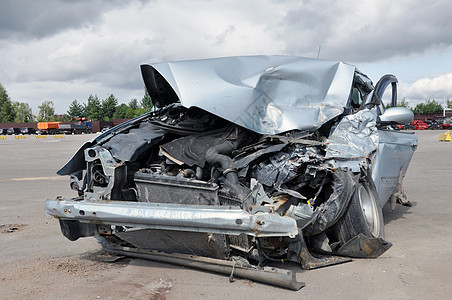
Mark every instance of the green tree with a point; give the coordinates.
(146, 101)
(430, 107)
(76, 110)
(134, 109)
(130, 113)
(23, 112)
(94, 108)
(7, 112)
(109, 107)
(402, 103)
(138, 112)
(133, 104)
(46, 111)
(61, 118)
(121, 111)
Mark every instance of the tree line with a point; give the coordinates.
(95, 109)
(107, 109)
(428, 107)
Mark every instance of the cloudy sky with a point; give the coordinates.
(64, 50)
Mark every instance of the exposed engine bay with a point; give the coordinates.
(182, 180)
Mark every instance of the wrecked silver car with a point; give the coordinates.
(245, 161)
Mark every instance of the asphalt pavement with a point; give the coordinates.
(37, 262)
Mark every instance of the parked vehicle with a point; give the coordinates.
(13, 130)
(3, 131)
(246, 160)
(28, 130)
(48, 127)
(419, 125)
(443, 122)
(66, 128)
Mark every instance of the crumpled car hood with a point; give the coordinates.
(266, 94)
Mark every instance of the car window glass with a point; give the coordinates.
(356, 99)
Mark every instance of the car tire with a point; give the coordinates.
(363, 215)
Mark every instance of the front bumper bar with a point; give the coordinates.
(194, 218)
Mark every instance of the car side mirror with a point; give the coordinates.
(399, 115)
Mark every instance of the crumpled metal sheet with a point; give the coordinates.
(266, 94)
(356, 136)
(285, 166)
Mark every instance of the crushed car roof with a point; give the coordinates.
(266, 94)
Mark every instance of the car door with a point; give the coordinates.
(395, 148)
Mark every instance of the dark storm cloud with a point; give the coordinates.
(357, 32)
(41, 18)
(57, 49)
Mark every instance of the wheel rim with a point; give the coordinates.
(370, 212)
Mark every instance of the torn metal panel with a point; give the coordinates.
(391, 161)
(293, 163)
(266, 94)
(195, 218)
(356, 136)
(243, 161)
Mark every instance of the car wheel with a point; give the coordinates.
(363, 215)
